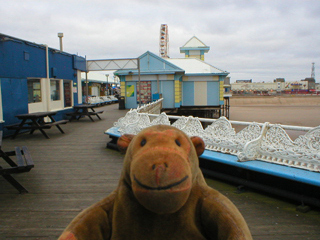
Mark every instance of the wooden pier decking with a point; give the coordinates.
(74, 170)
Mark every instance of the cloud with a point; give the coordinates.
(258, 39)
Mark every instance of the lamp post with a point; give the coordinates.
(107, 76)
(139, 81)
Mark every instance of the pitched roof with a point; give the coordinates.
(194, 42)
(194, 66)
(150, 63)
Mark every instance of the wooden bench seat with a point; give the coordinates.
(95, 113)
(83, 113)
(84, 110)
(17, 126)
(31, 126)
(24, 163)
(50, 124)
(72, 114)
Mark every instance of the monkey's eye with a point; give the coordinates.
(143, 142)
(178, 142)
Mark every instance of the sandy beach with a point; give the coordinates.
(287, 110)
(299, 111)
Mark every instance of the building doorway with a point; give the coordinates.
(67, 91)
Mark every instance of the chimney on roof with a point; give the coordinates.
(60, 35)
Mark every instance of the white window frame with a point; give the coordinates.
(53, 105)
(39, 106)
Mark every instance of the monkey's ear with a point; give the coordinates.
(198, 144)
(124, 141)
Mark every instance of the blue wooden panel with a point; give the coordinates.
(15, 64)
(14, 99)
(79, 63)
(63, 65)
(152, 62)
(131, 102)
(167, 89)
(213, 93)
(154, 88)
(291, 173)
(31, 61)
(187, 93)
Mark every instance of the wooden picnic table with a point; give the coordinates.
(36, 121)
(84, 110)
(23, 163)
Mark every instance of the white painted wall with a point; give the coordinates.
(200, 93)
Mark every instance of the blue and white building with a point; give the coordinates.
(182, 82)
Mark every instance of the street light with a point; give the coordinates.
(107, 76)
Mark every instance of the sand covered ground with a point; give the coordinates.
(284, 100)
(288, 110)
(299, 111)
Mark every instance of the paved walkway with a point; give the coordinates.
(74, 170)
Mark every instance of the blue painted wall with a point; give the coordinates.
(14, 99)
(187, 93)
(154, 88)
(151, 62)
(19, 60)
(131, 102)
(167, 94)
(213, 93)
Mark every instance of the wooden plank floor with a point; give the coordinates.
(74, 170)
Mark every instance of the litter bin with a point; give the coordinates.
(121, 103)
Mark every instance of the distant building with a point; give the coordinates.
(311, 83)
(249, 87)
(97, 84)
(244, 81)
(271, 87)
(279, 80)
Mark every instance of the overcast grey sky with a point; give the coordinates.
(258, 39)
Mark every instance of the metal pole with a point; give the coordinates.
(139, 82)
(107, 76)
(87, 87)
(48, 78)
(61, 46)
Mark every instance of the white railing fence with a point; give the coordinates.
(101, 99)
(257, 141)
(153, 107)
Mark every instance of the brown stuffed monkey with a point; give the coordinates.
(161, 194)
